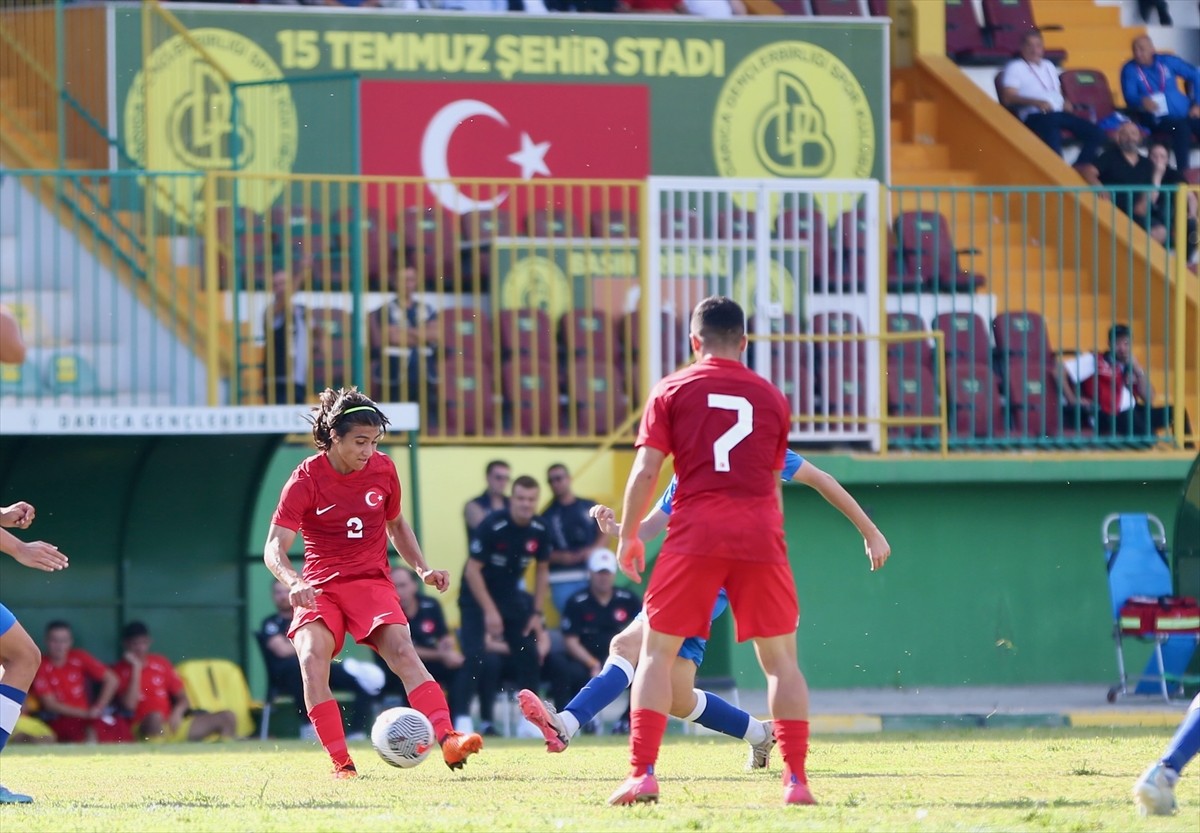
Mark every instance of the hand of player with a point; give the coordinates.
(437, 578)
(19, 515)
(303, 594)
(543, 645)
(606, 519)
(878, 549)
(631, 558)
(40, 556)
(493, 624)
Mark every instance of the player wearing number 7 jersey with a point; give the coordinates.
(727, 428)
(345, 501)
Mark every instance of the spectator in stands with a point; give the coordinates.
(492, 603)
(286, 329)
(498, 473)
(1031, 87)
(1122, 165)
(715, 8)
(574, 535)
(592, 618)
(283, 669)
(1114, 388)
(403, 336)
(1150, 84)
(1167, 181)
(1160, 6)
(64, 686)
(152, 692)
(434, 643)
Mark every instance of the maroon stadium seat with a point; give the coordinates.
(1007, 21)
(966, 337)
(530, 391)
(735, 224)
(927, 252)
(588, 333)
(841, 366)
(1021, 333)
(964, 37)
(553, 222)
(467, 332)
(478, 228)
(878, 8)
(614, 224)
(595, 393)
(912, 392)
(527, 332)
(467, 395)
(1088, 89)
(807, 225)
(975, 401)
(837, 8)
(909, 352)
(680, 225)
(331, 345)
(798, 8)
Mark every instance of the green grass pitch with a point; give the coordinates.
(1040, 780)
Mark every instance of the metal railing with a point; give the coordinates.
(1027, 284)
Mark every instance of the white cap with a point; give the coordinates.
(602, 560)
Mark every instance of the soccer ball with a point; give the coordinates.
(402, 736)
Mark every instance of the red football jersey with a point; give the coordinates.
(68, 684)
(727, 427)
(343, 517)
(159, 684)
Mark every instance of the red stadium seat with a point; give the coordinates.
(966, 337)
(1021, 333)
(596, 392)
(527, 332)
(1088, 89)
(837, 8)
(553, 222)
(927, 251)
(912, 392)
(331, 345)
(616, 225)
(964, 37)
(878, 8)
(909, 352)
(531, 394)
(735, 224)
(799, 8)
(792, 368)
(807, 225)
(467, 404)
(852, 228)
(1007, 21)
(975, 401)
(467, 332)
(1033, 397)
(478, 229)
(434, 235)
(841, 366)
(588, 333)
(683, 224)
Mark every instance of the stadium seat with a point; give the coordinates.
(912, 392)
(468, 399)
(798, 8)
(673, 345)
(852, 255)
(837, 8)
(242, 249)
(683, 224)
(964, 37)
(300, 229)
(966, 337)
(215, 685)
(792, 368)
(20, 379)
(1021, 333)
(616, 224)
(1088, 89)
(735, 224)
(807, 225)
(588, 333)
(595, 390)
(478, 229)
(531, 395)
(552, 222)
(435, 235)
(975, 401)
(66, 371)
(331, 343)
(841, 366)
(1007, 21)
(927, 250)
(878, 8)
(909, 353)
(467, 333)
(1034, 400)
(526, 332)
(368, 229)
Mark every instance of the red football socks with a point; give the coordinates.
(429, 700)
(646, 730)
(793, 747)
(327, 721)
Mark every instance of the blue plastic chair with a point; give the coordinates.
(1139, 565)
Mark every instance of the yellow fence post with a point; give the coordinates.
(209, 281)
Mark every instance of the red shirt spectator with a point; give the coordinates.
(67, 684)
(63, 684)
(656, 6)
(160, 684)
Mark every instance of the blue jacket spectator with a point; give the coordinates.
(1150, 84)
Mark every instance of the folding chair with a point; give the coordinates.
(215, 685)
(1139, 583)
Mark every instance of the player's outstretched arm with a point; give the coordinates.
(826, 484)
(12, 346)
(405, 541)
(275, 556)
(631, 552)
(652, 524)
(36, 554)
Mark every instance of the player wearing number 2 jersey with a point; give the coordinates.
(727, 428)
(345, 501)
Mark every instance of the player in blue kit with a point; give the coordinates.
(1154, 792)
(688, 703)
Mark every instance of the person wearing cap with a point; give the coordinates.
(590, 620)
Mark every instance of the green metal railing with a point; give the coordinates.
(1027, 284)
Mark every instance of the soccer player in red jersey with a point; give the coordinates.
(62, 685)
(727, 428)
(345, 501)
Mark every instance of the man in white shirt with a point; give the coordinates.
(1030, 86)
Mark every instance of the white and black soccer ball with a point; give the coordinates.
(402, 736)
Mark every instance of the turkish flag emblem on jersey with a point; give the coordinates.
(441, 131)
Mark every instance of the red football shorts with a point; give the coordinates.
(71, 729)
(356, 607)
(683, 589)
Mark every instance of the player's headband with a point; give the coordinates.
(358, 408)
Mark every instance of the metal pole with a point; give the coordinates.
(60, 75)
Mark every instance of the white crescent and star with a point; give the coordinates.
(435, 143)
(373, 494)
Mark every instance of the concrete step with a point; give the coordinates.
(907, 156)
(935, 177)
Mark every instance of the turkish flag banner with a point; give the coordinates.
(489, 146)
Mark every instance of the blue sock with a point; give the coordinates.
(11, 700)
(712, 712)
(605, 687)
(1186, 743)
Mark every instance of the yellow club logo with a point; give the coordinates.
(536, 282)
(793, 110)
(184, 118)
